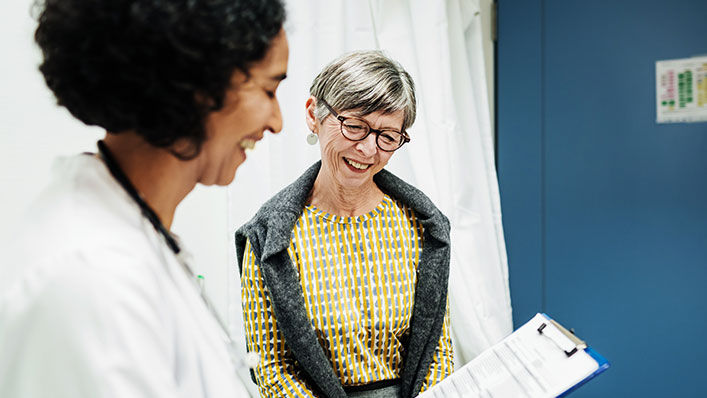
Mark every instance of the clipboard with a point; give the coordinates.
(603, 365)
(579, 344)
(541, 359)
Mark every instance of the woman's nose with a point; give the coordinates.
(274, 123)
(368, 145)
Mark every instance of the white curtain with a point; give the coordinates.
(450, 157)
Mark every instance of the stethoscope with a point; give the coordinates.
(251, 359)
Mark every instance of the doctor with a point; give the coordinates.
(104, 305)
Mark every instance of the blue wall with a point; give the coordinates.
(605, 211)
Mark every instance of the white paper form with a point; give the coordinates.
(681, 90)
(525, 364)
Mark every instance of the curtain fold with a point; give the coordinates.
(450, 157)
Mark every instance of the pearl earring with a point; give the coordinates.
(312, 138)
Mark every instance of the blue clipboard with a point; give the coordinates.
(602, 363)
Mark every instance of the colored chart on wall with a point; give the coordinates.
(681, 90)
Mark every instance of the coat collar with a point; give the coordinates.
(293, 198)
(270, 232)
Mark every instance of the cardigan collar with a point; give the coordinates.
(270, 232)
(293, 199)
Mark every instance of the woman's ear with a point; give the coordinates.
(309, 116)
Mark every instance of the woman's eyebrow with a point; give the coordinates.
(362, 117)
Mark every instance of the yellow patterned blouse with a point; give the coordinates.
(358, 275)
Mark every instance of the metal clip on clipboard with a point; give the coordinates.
(563, 338)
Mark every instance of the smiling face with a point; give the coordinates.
(352, 164)
(250, 108)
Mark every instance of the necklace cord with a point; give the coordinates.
(146, 210)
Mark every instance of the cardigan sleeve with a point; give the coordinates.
(443, 361)
(276, 373)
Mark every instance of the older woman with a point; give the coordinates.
(344, 272)
(104, 305)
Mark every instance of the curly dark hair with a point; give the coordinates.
(157, 67)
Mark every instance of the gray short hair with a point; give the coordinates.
(367, 81)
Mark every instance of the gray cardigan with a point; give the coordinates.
(269, 232)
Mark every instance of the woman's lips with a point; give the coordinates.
(355, 166)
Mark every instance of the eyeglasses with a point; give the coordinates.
(356, 129)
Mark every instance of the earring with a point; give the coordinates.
(312, 138)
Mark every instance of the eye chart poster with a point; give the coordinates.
(681, 90)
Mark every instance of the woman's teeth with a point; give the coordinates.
(248, 143)
(357, 164)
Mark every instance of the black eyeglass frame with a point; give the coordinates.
(405, 138)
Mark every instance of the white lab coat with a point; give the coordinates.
(100, 307)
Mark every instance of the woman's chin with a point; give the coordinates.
(354, 181)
